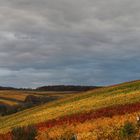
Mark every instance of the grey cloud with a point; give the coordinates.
(69, 42)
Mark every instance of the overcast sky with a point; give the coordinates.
(80, 42)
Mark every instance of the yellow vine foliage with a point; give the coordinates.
(105, 128)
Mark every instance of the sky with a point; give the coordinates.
(70, 42)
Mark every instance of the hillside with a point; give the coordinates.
(83, 108)
(12, 101)
(14, 97)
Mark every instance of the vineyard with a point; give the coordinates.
(98, 114)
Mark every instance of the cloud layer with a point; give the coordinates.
(87, 42)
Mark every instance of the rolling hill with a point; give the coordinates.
(85, 114)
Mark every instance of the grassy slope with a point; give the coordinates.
(91, 100)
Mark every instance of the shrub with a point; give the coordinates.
(24, 133)
(18, 133)
(128, 131)
(31, 132)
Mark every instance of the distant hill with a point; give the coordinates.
(66, 88)
(6, 88)
(54, 88)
